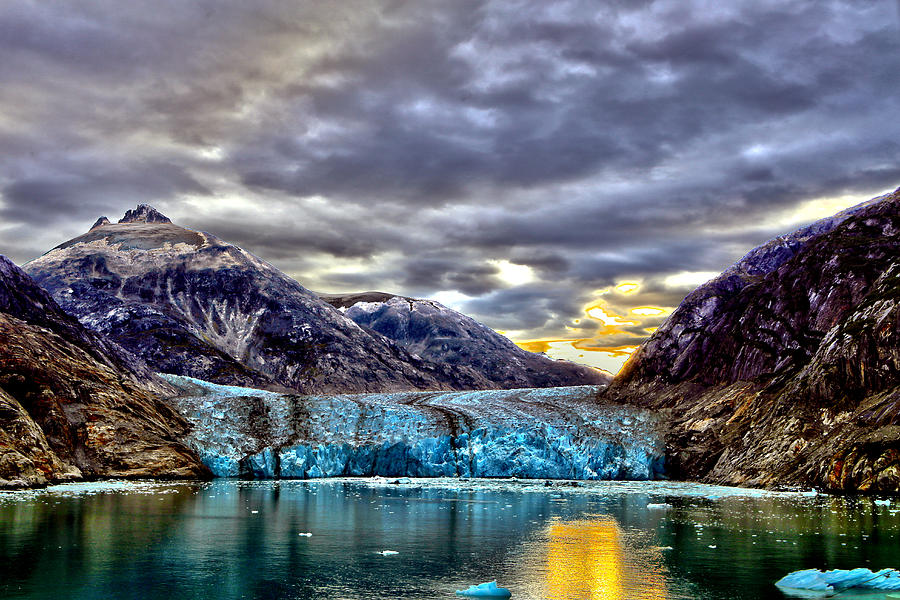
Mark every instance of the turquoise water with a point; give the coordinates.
(233, 539)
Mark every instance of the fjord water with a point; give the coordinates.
(242, 539)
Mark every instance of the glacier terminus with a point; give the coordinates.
(554, 433)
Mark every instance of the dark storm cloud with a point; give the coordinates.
(527, 307)
(288, 239)
(89, 190)
(445, 272)
(416, 145)
(546, 263)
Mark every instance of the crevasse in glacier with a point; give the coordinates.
(556, 433)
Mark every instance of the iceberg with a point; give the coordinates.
(485, 590)
(840, 579)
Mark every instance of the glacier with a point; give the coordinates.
(548, 433)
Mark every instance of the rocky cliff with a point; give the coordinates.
(480, 357)
(785, 369)
(73, 405)
(534, 433)
(190, 304)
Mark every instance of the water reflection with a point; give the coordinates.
(585, 561)
(233, 540)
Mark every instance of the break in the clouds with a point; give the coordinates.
(518, 160)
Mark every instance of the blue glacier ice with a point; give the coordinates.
(840, 579)
(553, 433)
(485, 590)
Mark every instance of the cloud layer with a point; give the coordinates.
(435, 148)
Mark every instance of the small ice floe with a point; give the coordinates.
(254, 512)
(659, 506)
(401, 480)
(839, 580)
(485, 590)
(387, 552)
(305, 534)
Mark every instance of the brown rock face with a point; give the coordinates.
(785, 370)
(26, 457)
(71, 406)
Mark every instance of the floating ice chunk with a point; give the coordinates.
(659, 506)
(388, 552)
(402, 480)
(305, 534)
(485, 590)
(841, 579)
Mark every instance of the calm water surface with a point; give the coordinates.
(231, 539)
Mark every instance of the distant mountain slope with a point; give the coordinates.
(71, 404)
(785, 369)
(191, 304)
(477, 353)
(680, 349)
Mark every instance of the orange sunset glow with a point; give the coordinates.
(619, 314)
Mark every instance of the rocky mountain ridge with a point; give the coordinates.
(73, 405)
(429, 330)
(190, 304)
(785, 369)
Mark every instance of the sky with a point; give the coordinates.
(565, 172)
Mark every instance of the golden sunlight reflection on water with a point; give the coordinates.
(588, 559)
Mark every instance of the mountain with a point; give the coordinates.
(480, 357)
(785, 369)
(190, 304)
(73, 405)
